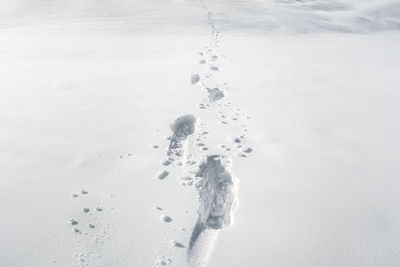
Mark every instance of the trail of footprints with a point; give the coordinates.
(74, 222)
(89, 228)
(209, 173)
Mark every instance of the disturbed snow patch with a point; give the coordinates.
(181, 129)
(217, 191)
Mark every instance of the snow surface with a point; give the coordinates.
(109, 109)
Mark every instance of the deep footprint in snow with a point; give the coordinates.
(215, 94)
(217, 194)
(181, 129)
(217, 190)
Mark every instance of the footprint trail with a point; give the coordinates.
(200, 155)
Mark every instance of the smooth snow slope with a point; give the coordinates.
(109, 109)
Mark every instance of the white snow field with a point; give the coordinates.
(199, 133)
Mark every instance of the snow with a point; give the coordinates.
(110, 111)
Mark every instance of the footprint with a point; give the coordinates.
(91, 225)
(84, 192)
(85, 210)
(178, 244)
(247, 149)
(214, 68)
(237, 140)
(182, 128)
(73, 222)
(187, 181)
(217, 191)
(215, 94)
(166, 218)
(76, 230)
(163, 262)
(162, 175)
(202, 62)
(224, 147)
(99, 209)
(74, 195)
(166, 162)
(195, 78)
